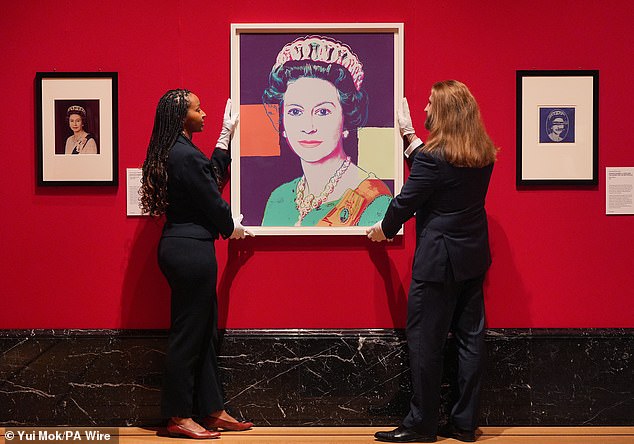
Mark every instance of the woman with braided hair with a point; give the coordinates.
(182, 183)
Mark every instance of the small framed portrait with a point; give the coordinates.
(557, 127)
(76, 116)
(317, 150)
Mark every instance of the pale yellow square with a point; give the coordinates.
(376, 151)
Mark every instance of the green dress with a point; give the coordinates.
(363, 206)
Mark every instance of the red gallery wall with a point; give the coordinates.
(70, 258)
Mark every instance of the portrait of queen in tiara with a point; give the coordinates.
(316, 101)
(80, 141)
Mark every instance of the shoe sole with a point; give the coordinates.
(182, 435)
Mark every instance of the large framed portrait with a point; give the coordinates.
(317, 150)
(557, 127)
(76, 124)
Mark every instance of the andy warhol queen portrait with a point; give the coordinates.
(317, 149)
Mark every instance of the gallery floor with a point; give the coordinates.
(343, 435)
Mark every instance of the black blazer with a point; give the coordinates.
(451, 222)
(196, 209)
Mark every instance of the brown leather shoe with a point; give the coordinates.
(213, 423)
(176, 430)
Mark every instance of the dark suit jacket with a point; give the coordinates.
(451, 222)
(196, 209)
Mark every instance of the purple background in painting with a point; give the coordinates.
(261, 175)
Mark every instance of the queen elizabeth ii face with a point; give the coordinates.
(558, 126)
(313, 119)
(75, 122)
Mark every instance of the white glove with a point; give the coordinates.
(239, 232)
(404, 119)
(229, 124)
(375, 232)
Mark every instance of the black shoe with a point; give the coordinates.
(451, 431)
(403, 434)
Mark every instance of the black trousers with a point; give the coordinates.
(434, 309)
(191, 383)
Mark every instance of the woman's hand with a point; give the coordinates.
(404, 119)
(407, 129)
(229, 124)
(239, 231)
(375, 232)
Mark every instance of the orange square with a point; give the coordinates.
(258, 137)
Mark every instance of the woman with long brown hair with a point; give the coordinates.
(446, 189)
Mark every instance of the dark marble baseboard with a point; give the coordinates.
(570, 377)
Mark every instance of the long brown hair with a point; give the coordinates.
(456, 127)
(168, 124)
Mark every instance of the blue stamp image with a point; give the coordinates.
(556, 125)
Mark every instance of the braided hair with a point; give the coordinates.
(168, 124)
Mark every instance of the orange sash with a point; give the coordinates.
(348, 211)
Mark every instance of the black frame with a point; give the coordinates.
(112, 151)
(520, 75)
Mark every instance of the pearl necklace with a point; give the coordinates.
(307, 204)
